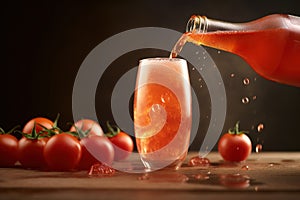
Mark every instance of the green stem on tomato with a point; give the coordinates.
(2, 132)
(113, 130)
(235, 130)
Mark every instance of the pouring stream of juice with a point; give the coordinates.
(270, 45)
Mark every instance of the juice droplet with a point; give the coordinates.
(234, 180)
(162, 177)
(245, 100)
(246, 81)
(245, 167)
(271, 164)
(201, 176)
(260, 127)
(100, 169)
(143, 177)
(258, 148)
(198, 161)
(232, 75)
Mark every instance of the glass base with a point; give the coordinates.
(153, 165)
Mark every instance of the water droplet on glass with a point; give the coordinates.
(245, 167)
(201, 86)
(201, 68)
(197, 52)
(260, 127)
(232, 75)
(245, 100)
(200, 79)
(198, 161)
(246, 81)
(254, 97)
(219, 52)
(193, 68)
(258, 148)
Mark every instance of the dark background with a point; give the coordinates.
(45, 42)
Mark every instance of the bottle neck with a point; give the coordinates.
(201, 24)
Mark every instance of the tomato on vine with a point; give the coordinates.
(235, 146)
(122, 142)
(95, 147)
(62, 152)
(8, 148)
(30, 149)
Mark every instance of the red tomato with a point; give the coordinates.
(89, 125)
(95, 149)
(122, 143)
(235, 146)
(62, 152)
(31, 153)
(8, 150)
(37, 121)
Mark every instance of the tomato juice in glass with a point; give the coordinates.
(162, 112)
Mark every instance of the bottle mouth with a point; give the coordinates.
(197, 24)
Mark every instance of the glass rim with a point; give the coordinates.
(162, 59)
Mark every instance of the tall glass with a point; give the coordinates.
(162, 112)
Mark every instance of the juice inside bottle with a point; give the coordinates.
(270, 45)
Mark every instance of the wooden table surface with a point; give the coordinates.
(268, 175)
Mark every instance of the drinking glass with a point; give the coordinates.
(162, 112)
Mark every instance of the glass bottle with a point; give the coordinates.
(270, 45)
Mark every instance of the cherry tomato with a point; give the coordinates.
(88, 126)
(8, 150)
(95, 149)
(31, 153)
(235, 146)
(37, 122)
(122, 143)
(62, 152)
